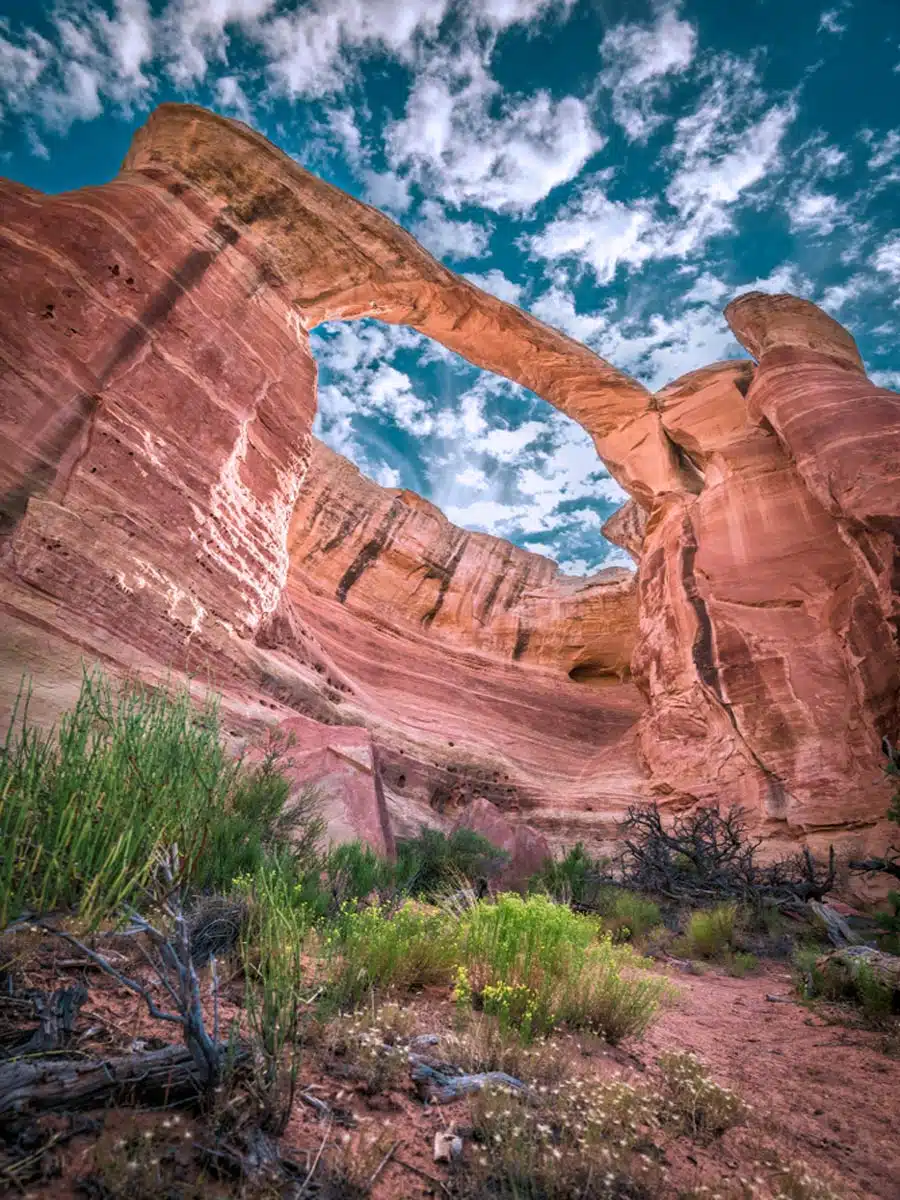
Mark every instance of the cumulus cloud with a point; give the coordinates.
(886, 379)
(464, 139)
(231, 98)
(446, 238)
(886, 258)
(387, 190)
(816, 212)
(641, 61)
(729, 143)
(495, 282)
(833, 20)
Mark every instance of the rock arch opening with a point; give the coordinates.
(491, 455)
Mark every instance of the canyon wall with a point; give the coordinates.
(163, 507)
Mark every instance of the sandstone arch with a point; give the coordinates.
(158, 398)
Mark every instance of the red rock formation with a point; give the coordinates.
(162, 505)
(340, 764)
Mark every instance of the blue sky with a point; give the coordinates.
(621, 168)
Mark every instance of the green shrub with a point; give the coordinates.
(275, 933)
(738, 963)
(575, 879)
(889, 926)
(533, 963)
(373, 948)
(627, 915)
(347, 874)
(434, 861)
(84, 814)
(710, 933)
(132, 771)
(695, 1105)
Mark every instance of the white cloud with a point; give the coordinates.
(451, 143)
(193, 34)
(726, 146)
(557, 308)
(598, 233)
(506, 445)
(706, 289)
(785, 278)
(641, 60)
(495, 282)
(816, 212)
(835, 297)
(344, 129)
(716, 170)
(385, 189)
(35, 146)
(887, 258)
(473, 477)
(232, 99)
(387, 476)
(886, 379)
(500, 14)
(883, 151)
(446, 238)
(666, 347)
(831, 21)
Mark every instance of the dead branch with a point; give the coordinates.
(707, 855)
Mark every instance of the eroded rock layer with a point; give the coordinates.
(164, 506)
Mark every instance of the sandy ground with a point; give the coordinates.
(822, 1092)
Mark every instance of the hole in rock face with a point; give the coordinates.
(492, 456)
(594, 674)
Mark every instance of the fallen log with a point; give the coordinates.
(839, 932)
(166, 1076)
(852, 959)
(56, 1013)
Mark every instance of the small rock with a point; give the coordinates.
(446, 1146)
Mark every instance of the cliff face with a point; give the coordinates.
(163, 506)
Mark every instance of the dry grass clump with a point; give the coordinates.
(581, 1139)
(794, 1182)
(694, 1104)
(483, 1045)
(370, 1054)
(350, 1166)
(145, 1162)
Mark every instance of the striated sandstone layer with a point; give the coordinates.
(164, 506)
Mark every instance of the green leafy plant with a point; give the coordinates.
(577, 878)
(274, 936)
(86, 810)
(535, 964)
(710, 932)
(434, 860)
(817, 978)
(889, 925)
(627, 915)
(373, 948)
